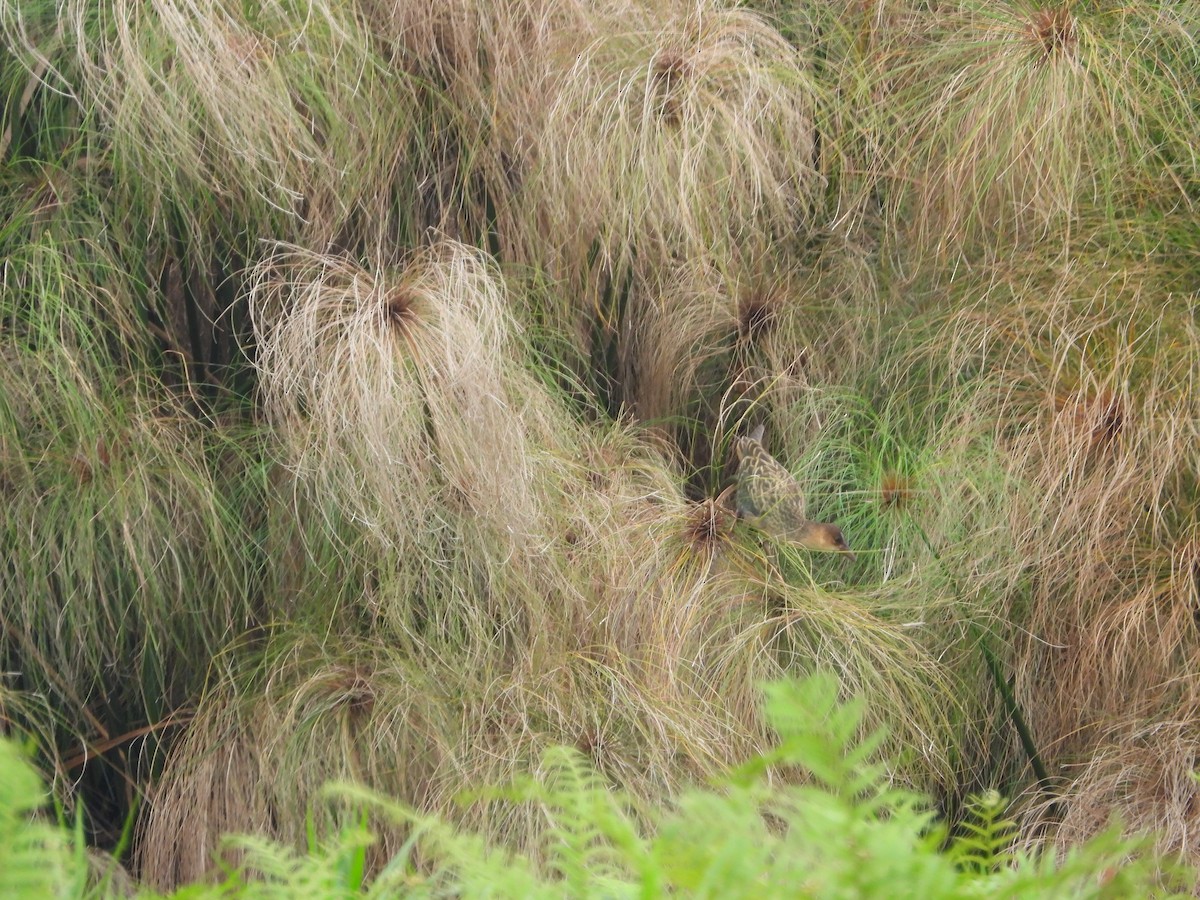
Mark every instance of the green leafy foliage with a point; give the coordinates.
(986, 836)
(764, 831)
(33, 854)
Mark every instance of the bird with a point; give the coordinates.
(769, 496)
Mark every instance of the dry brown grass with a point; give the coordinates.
(638, 634)
(656, 133)
(517, 274)
(1023, 116)
(1083, 383)
(290, 121)
(401, 388)
(1142, 772)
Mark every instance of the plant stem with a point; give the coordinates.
(1003, 688)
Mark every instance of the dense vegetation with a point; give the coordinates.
(369, 373)
(846, 834)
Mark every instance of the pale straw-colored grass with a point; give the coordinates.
(1019, 117)
(266, 118)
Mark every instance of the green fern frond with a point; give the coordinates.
(822, 735)
(34, 859)
(986, 841)
(327, 870)
(453, 862)
(591, 842)
(591, 837)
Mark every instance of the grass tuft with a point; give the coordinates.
(1053, 29)
(709, 523)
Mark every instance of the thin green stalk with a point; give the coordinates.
(1003, 688)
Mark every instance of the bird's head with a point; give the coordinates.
(825, 537)
(750, 443)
